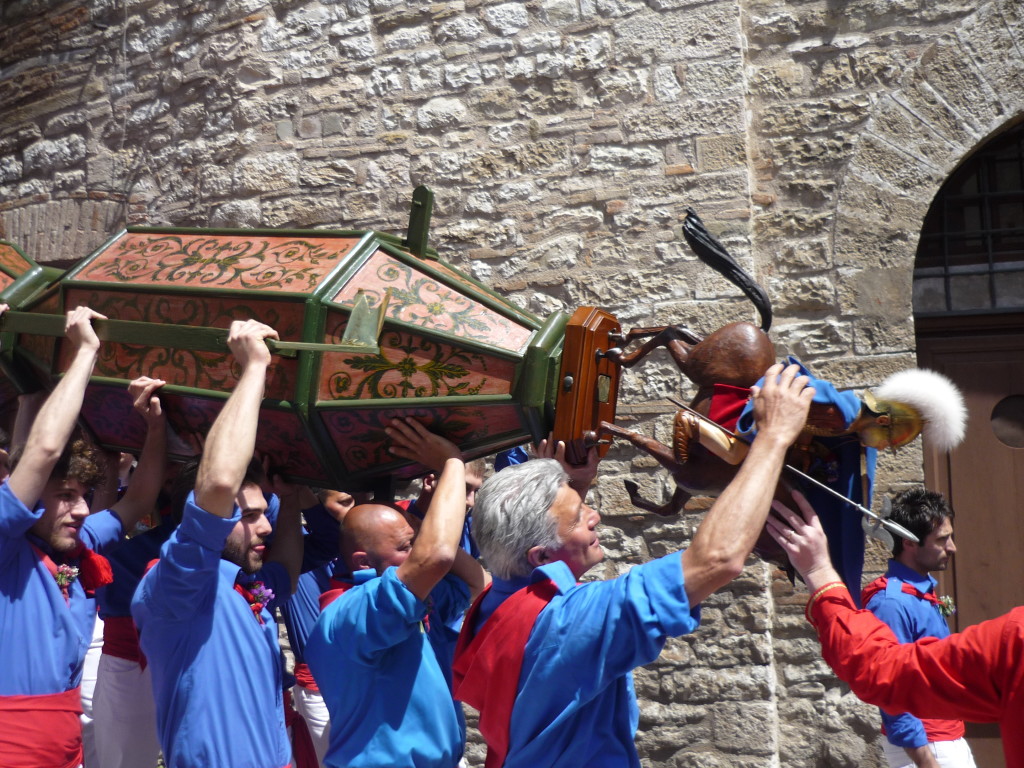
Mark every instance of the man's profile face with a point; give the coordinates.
(934, 552)
(65, 508)
(245, 544)
(581, 548)
(392, 542)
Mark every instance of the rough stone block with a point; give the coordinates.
(716, 153)
(961, 87)
(712, 33)
(859, 236)
(49, 155)
(441, 112)
(267, 172)
(506, 18)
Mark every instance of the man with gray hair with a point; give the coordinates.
(548, 661)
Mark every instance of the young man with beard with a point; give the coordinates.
(905, 599)
(203, 619)
(50, 564)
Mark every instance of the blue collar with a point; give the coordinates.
(899, 571)
(558, 572)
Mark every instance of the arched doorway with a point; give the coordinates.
(969, 314)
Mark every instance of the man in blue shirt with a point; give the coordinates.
(50, 561)
(905, 599)
(548, 661)
(371, 650)
(204, 622)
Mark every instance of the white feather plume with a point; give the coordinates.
(935, 397)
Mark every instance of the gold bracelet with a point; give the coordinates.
(817, 594)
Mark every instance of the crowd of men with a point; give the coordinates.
(392, 619)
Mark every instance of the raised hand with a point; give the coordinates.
(580, 475)
(802, 538)
(145, 401)
(78, 328)
(411, 440)
(246, 342)
(781, 403)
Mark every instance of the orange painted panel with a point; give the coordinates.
(184, 367)
(12, 260)
(419, 298)
(441, 266)
(409, 365)
(202, 260)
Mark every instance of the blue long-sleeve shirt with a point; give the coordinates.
(575, 703)
(216, 669)
(44, 637)
(910, 619)
(389, 700)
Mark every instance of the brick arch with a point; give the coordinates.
(966, 87)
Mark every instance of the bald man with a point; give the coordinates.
(372, 651)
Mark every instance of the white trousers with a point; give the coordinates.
(90, 670)
(310, 704)
(124, 715)
(949, 754)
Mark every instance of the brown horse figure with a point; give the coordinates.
(703, 458)
(737, 355)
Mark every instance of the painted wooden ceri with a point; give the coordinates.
(371, 326)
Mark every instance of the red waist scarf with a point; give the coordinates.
(487, 666)
(41, 730)
(121, 639)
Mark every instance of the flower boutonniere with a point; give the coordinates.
(946, 606)
(258, 596)
(65, 576)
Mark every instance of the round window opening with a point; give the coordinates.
(1008, 421)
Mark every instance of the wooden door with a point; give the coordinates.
(984, 480)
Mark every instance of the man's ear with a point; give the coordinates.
(429, 483)
(537, 556)
(360, 561)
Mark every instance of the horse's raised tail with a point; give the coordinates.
(712, 253)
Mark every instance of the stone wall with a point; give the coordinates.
(564, 140)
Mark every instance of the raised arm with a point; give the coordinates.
(433, 551)
(140, 497)
(732, 525)
(468, 568)
(288, 545)
(966, 676)
(232, 438)
(56, 419)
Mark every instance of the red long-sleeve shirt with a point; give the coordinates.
(975, 675)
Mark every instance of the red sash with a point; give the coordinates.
(302, 742)
(487, 666)
(338, 588)
(934, 729)
(121, 639)
(41, 730)
(304, 677)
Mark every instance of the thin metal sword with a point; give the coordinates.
(889, 525)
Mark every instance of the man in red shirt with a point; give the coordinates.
(975, 675)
